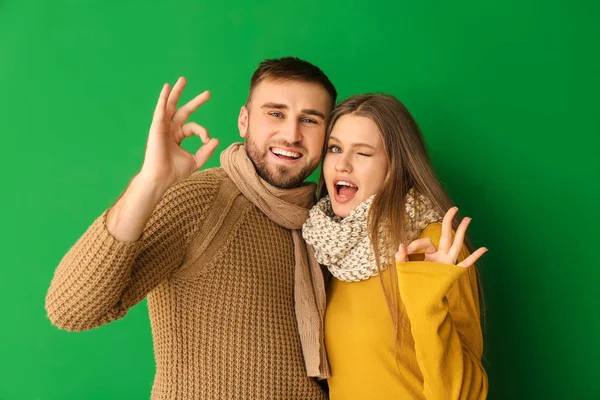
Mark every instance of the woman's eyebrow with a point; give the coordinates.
(353, 144)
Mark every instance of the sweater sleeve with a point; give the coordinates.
(101, 278)
(442, 304)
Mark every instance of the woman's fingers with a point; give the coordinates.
(424, 244)
(459, 238)
(446, 237)
(472, 259)
(401, 254)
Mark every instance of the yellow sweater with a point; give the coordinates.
(441, 349)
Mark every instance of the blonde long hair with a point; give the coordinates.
(409, 167)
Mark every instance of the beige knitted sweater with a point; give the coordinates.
(222, 315)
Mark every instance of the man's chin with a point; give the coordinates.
(278, 174)
(283, 177)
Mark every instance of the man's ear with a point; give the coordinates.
(243, 122)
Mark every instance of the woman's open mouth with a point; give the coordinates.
(344, 190)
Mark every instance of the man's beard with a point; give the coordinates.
(283, 178)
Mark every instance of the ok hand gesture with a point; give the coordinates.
(165, 161)
(448, 249)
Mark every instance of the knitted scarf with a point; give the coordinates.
(343, 244)
(289, 209)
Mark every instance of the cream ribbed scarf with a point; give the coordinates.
(343, 244)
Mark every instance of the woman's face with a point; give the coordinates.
(355, 164)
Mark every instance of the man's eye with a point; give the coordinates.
(277, 114)
(309, 120)
(334, 149)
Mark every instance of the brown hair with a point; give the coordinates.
(409, 167)
(291, 69)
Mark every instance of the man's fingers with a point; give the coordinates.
(204, 153)
(193, 128)
(459, 238)
(467, 262)
(174, 97)
(185, 111)
(159, 110)
(424, 244)
(446, 237)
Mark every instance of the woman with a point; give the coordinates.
(408, 329)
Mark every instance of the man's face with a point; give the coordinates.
(284, 129)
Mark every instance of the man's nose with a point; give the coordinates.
(291, 131)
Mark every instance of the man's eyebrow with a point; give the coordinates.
(353, 144)
(278, 106)
(317, 113)
(281, 106)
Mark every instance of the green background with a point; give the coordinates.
(506, 93)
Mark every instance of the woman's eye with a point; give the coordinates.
(364, 154)
(334, 149)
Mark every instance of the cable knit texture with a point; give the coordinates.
(222, 310)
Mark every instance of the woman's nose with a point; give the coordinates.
(343, 165)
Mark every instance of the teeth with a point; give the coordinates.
(285, 153)
(344, 183)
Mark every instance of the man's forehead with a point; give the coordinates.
(294, 94)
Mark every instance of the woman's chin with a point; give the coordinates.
(341, 210)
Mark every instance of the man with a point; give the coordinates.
(235, 300)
